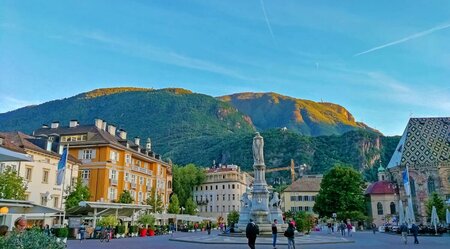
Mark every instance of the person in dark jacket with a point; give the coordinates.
(404, 231)
(274, 233)
(415, 232)
(251, 232)
(290, 234)
(208, 227)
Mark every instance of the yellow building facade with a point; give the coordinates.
(112, 163)
(301, 194)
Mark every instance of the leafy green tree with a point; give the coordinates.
(155, 201)
(147, 220)
(174, 205)
(12, 186)
(80, 193)
(233, 217)
(341, 190)
(185, 179)
(191, 207)
(304, 221)
(126, 197)
(436, 201)
(353, 216)
(109, 220)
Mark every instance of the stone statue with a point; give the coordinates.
(275, 202)
(246, 202)
(258, 147)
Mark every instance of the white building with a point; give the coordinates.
(222, 191)
(40, 173)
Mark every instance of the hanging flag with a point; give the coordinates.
(405, 175)
(61, 167)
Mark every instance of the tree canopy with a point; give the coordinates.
(341, 190)
(233, 217)
(184, 179)
(80, 193)
(155, 201)
(174, 205)
(191, 207)
(12, 186)
(126, 197)
(436, 201)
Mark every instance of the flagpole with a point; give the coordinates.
(63, 183)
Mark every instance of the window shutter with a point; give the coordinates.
(93, 153)
(80, 154)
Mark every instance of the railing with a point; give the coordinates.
(142, 170)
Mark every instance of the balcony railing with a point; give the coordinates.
(113, 182)
(141, 170)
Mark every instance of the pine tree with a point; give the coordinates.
(174, 205)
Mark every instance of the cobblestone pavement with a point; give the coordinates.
(364, 240)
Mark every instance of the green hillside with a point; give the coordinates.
(196, 128)
(271, 110)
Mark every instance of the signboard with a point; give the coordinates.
(74, 222)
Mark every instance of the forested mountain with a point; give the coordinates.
(196, 128)
(306, 117)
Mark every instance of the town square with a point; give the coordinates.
(224, 124)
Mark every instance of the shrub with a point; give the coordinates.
(133, 229)
(30, 240)
(120, 229)
(108, 221)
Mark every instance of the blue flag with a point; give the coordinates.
(405, 176)
(61, 167)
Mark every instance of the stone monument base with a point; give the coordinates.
(264, 229)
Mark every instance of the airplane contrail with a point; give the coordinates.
(411, 37)
(267, 20)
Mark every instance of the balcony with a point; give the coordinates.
(141, 170)
(113, 182)
(133, 185)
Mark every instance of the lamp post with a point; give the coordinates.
(182, 209)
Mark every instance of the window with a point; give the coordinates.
(223, 208)
(306, 208)
(127, 158)
(28, 172)
(201, 188)
(113, 174)
(210, 209)
(293, 198)
(140, 197)
(56, 202)
(133, 178)
(217, 197)
(85, 174)
(217, 210)
(88, 154)
(112, 194)
(127, 176)
(141, 180)
(234, 208)
(232, 186)
(299, 198)
(234, 197)
(217, 187)
(44, 199)
(223, 197)
(431, 185)
(229, 197)
(392, 207)
(114, 156)
(223, 186)
(313, 198)
(300, 208)
(379, 208)
(45, 176)
(74, 138)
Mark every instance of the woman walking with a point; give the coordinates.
(290, 234)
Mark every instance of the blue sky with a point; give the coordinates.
(383, 60)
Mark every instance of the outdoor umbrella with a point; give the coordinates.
(447, 216)
(401, 213)
(434, 218)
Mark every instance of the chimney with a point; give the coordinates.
(73, 123)
(158, 156)
(148, 145)
(122, 134)
(104, 125)
(112, 130)
(54, 125)
(44, 126)
(98, 123)
(137, 140)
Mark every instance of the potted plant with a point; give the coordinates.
(61, 234)
(146, 220)
(120, 231)
(133, 231)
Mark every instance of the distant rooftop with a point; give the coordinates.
(307, 183)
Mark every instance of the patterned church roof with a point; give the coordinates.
(424, 141)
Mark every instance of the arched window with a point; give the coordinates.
(392, 206)
(413, 186)
(431, 185)
(380, 208)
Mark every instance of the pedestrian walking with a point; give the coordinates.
(374, 228)
(82, 231)
(274, 233)
(415, 232)
(208, 227)
(290, 234)
(251, 233)
(404, 231)
(343, 227)
(349, 229)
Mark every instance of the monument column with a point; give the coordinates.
(260, 194)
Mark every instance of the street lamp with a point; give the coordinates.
(182, 209)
